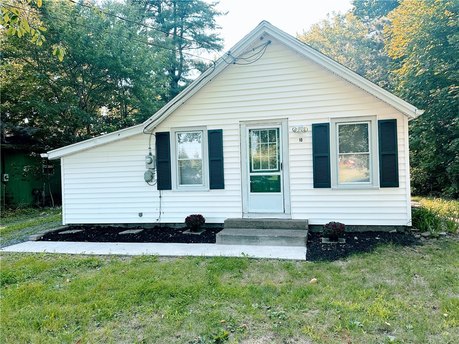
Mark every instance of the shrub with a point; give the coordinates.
(334, 230)
(194, 222)
(433, 221)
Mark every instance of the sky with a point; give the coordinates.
(291, 16)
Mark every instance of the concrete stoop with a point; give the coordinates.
(267, 232)
(267, 223)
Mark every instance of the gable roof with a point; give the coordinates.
(264, 28)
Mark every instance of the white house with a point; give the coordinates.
(273, 129)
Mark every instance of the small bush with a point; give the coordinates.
(334, 230)
(194, 222)
(432, 220)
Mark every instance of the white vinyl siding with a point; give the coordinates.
(105, 184)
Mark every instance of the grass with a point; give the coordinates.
(395, 294)
(436, 215)
(17, 225)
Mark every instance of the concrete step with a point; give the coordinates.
(267, 237)
(266, 223)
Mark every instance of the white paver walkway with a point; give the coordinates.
(160, 249)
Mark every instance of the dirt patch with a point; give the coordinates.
(355, 243)
(161, 234)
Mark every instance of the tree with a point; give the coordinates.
(21, 18)
(423, 41)
(354, 44)
(108, 79)
(369, 10)
(122, 62)
(185, 27)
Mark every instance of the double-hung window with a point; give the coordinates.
(190, 159)
(354, 160)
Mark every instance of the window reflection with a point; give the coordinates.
(353, 153)
(189, 157)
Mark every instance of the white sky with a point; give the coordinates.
(291, 16)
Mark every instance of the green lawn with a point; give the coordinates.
(16, 226)
(395, 294)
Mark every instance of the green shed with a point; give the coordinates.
(27, 179)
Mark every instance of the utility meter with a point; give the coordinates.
(149, 176)
(150, 161)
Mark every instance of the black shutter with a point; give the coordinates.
(388, 153)
(321, 155)
(163, 161)
(216, 169)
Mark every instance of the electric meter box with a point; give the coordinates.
(149, 176)
(150, 161)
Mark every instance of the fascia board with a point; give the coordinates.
(94, 142)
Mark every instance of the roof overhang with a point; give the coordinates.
(265, 28)
(94, 142)
(257, 34)
(204, 78)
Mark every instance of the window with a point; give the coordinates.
(190, 159)
(353, 154)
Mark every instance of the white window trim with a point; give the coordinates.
(374, 158)
(205, 161)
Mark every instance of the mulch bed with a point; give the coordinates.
(162, 234)
(316, 250)
(356, 242)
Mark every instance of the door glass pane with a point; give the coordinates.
(264, 150)
(264, 136)
(264, 156)
(353, 138)
(354, 168)
(273, 158)
(265, 183)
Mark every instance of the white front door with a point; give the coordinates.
(263, 162)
